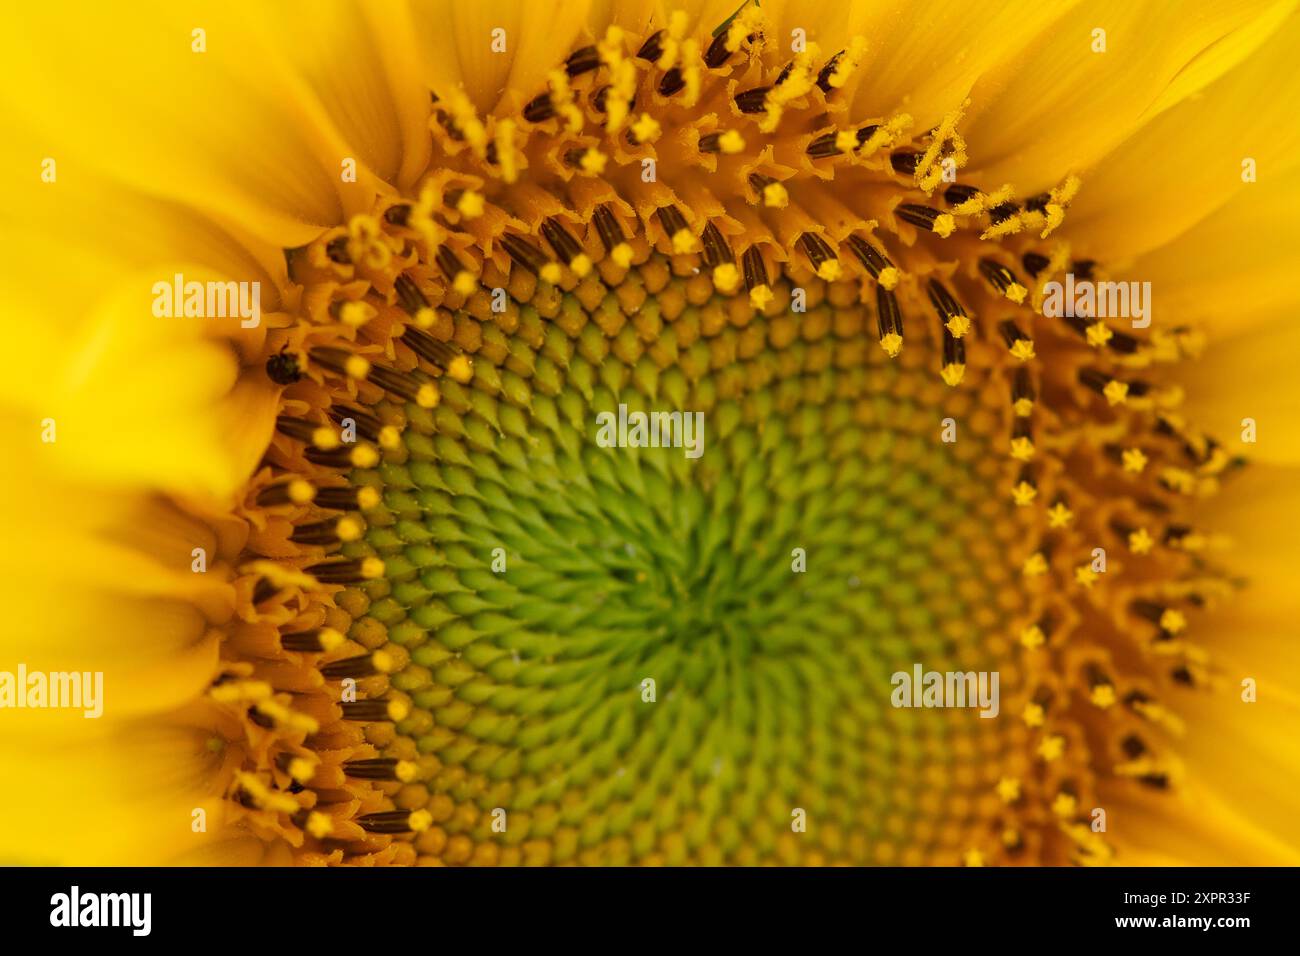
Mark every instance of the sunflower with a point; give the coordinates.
(363, 585)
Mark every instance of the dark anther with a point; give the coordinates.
(653, 48)
(956, 194)
(582, 60)
(827, 71)
(904, 162)
(282, 368)
(539, 108)
(752, 101)
(397, 215)
(672, 82)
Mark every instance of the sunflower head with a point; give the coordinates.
(639, 405)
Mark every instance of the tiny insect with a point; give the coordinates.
(282, 368)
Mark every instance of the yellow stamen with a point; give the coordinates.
(356, 314)
(726, 278)
(319, 825)
(463, 115)
(692, 75)
(398, 710)
(508, 154)
(1035, 565)
(287, 717)
(325, 438)
(952, 374)
(470, 204)
(1022, 449)
(282, 576)
(264, 796)
(731, 142)
(1051, 748)
(1064, 805)
(1098, 334)
(363, 456)
(1103, 696)
(1059, 516)
(1032, 638)
(461, 369)
(581, 265)
(244, 690)
(886, 135)
(1023, 349)
(1173, 621)
(1023, 494)
(427, 396)
(1116, 392)
(829, 270)
(1140, 542)
(848, 62)
(646, 129)
(330, 639)
(622, 79)
(1134, 460)
(562, 101)
(945, 135)
(301, 491)
(775, 196)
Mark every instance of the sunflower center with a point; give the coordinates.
(534, 637)
(611, 625)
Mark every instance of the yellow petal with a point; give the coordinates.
(225, 130)
(131, 397)
(1192, 827)
(1233, 270)
(1187, 162)
(923, 59)
(1250, 376)
(460, 46)
(358, 66)
(1057, 107)
(1250, 511)
(120, 795)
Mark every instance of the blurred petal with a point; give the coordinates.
(1250, 375)
(1057, 107)
(1187, 162)
(924, 59)
(1234, 270)
(225, 130)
